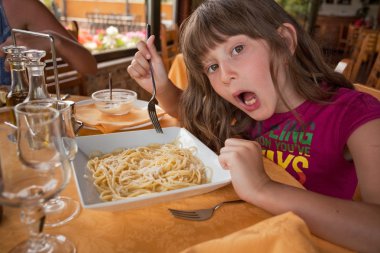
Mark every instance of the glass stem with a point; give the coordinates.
(34, 218)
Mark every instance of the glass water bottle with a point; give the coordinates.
(37, 85)
(19, 81)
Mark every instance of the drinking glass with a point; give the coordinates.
(34, 168)
(61, 210)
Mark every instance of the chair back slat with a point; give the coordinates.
(70, 81)
(169, 45)
(364, 58)
(352, 38)
(374, 76)
(367, 89)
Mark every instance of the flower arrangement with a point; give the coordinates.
(109, 39)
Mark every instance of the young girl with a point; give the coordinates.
(254, 73)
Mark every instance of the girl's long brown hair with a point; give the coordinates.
(207, 115)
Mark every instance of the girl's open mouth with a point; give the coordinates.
(248, 98)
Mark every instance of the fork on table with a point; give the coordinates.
(152, 102)
(200, 214)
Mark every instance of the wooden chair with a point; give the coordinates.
(169, 45)
(364, 88)
(344, 67)
(357, 67)
(364, 58)
(351, 39)
(70, 81)
(374, 76)
(357, 38)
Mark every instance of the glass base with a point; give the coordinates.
(51, 243)
(60, 210)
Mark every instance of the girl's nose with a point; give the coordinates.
(227, 73)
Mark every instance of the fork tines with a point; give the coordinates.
(189, 215)
(200, 214)
(153, 116)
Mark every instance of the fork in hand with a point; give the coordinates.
(200, 214)
(152, 102)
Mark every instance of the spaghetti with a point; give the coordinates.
(145, 170)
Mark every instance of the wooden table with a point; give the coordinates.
(153, 229)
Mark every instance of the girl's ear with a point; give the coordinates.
(288, 32)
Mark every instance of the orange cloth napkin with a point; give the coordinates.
(282, 233)
(92, 117)
(177, 73)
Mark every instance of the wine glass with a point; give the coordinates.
(33, 169)
(61, 210)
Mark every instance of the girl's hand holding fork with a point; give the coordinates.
(167, 93)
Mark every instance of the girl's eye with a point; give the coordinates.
(237, 49)
(212, 68)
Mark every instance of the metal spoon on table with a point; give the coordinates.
(110, 84)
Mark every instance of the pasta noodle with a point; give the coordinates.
(144, 170)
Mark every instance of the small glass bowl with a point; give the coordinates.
(121, 103)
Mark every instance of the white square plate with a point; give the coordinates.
(109, 142)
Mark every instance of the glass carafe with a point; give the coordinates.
(34, 169)
(19, 81)
(37, 85)
(60, 209)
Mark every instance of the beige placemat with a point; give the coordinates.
(92, 117)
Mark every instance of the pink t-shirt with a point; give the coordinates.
(313, 154)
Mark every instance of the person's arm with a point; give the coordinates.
(32, 15)
(355, 225)
(167, 93)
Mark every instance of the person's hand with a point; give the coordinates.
(140, 70)
(244, 160)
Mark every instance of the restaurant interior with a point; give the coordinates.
(348, 32)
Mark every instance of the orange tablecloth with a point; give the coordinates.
(153, 229)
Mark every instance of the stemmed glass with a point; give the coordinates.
(61, 209)
(33, 170)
